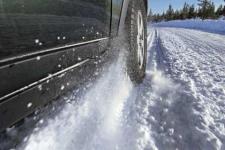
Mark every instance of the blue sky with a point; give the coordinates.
(158, 6)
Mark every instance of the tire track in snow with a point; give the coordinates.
(171, 108)
(192, 54)
(163, 104)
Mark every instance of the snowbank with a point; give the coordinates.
(215, 26)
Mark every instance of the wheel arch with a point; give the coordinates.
(123, 14)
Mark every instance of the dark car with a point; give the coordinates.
(48, 46)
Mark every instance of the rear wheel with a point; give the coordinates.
(136, 29)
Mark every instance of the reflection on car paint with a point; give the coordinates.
(28, 26)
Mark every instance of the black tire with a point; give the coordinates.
(136, 71)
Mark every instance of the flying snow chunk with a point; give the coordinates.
(41, 121)
(40, 87)
(25, 140)
(38, 58)
(29, 105)
(171, 131)
(62, 87)
(50, 75)
(37, 41)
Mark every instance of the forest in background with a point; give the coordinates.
(205, 9)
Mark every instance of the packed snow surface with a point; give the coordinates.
(179, 106)
(215, 26)
(191, 113)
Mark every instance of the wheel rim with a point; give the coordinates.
(140, 39)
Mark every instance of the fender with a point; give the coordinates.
(119, 17)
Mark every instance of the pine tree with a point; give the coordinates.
(211, 11)
(150, 14)
(207, 9)
(203, 11)
(191, 12)
(169, 13)
(219, 11)
(177, 14)
(163, 16)
(185, 10)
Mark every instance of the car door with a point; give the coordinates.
(43, 37)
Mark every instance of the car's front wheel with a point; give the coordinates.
(136, 30)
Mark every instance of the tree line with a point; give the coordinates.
(206, 10)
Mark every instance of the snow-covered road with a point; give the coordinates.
(190, 114)
(179, 106)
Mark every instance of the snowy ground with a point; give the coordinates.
(180, 105)
(188, 110)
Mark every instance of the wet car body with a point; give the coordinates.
(48, 46)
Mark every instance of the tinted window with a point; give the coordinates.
(32, 25)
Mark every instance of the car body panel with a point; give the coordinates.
(38, 92)
(34, 29)
(40, 39)
(34, 74)
(33, 25)
(20, 74)
(21, 105)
